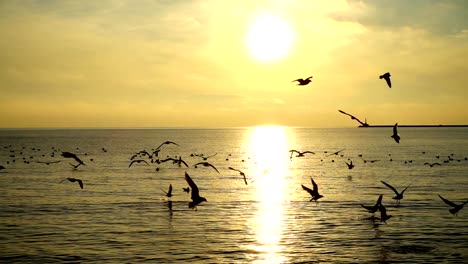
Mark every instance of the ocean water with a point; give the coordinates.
(123, 216)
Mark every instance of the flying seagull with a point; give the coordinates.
(206, 164)
(169, 192)
(395, 135)
(299, 153)
(178, 161)
(303, 81)
(313, 192)
(166, 143)
(432, 164)
(241, 173)
(138, 161)
(80, 182)
(383, 214)
(350, 165)
(66, 154)
(456, 207)
(335, 153)
(355, 118)
(386, 76)
(374, 208)
(196, 198)
(398, 195)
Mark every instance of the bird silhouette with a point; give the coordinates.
(80, 182)
(383, 214)
(455, 207)
(169, 192)
(350, 165)
(313, 192)
(299, 153)
(335, 153)
(138, 161)
(386, 76)
(196, 198)
(66, 154)
(374, 208)
(398, 195)
(187, 189)
(178, 161)
(206, 164)
(166, 143)
(364, 124)
(303, 81)
(241, 173)
(432, 164)
(395, 135)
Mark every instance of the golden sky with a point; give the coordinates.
(220, 63)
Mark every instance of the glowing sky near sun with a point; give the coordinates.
(210, 64)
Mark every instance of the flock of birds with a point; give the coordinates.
(147, 158)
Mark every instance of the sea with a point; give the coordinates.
(122, 214)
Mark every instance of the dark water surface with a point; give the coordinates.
(123, 216)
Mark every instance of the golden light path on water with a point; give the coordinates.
(269, 147)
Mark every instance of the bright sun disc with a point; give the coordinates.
(269, 38)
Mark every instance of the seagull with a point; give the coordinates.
(398, 196)
(50, 162)
(383, 214)
(80, 182)
(299, 153)
(66, 154)
(169, 192)
(373, 209)
(166, 143)
(432, 164)
(350, 165)
(371, 161)
(335, 153)
(355, 118)
(314, 193)
(241, 173)
(206, 164)
(176, 161)
(456, 207)
(196, 198)
(303, 81)
(386, 76)
(395, 135)
(137, 161)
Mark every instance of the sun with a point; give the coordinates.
(269, 37)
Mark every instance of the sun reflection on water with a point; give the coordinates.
(269, 148)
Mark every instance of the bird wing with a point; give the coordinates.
(379, 200)
(78, 160)
(231, 168)
(80, 182)
(131, 163)
(181, 161)
(168, 159)
(352, 117)
(310, 191)
(391, 187)
(308, 151)
(395, 129)
(387, 79)
(191, 183)
(298, 80)
(447, 201)
(314, 184)
(211, 165)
